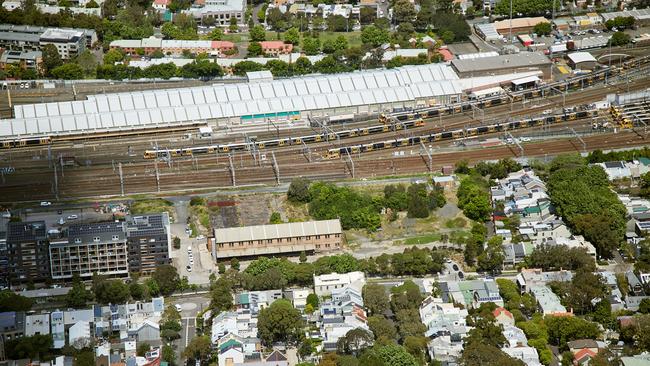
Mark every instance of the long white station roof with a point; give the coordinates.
(157, 108)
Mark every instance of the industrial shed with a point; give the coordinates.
(582, 60)
(503, 64)
(227, 105)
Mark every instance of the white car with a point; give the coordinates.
(525, 139)
(189, 249)
(178, 307)
(200, 237)
(46, 203)
(189, 268)
(72, 217)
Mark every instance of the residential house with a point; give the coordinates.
(583, 357)
(524, 353)
(636, 287)
(256, 300)
(298, 297)
(514, 336)
(446, 327)
(57, 324)
(275, 48)
(532, 277)
(548, 302)
(580, 344)
(471, 293)
(36, 324)
(145, 331)
(230, 353)
(12, 326)
(503, 316)
(161, 5)
(341, 314)
(615, 297)
(515, 253)
(616, 169)
(636, 360)
(241, 323)
(79, 335)
(274, 359)
(326, 283)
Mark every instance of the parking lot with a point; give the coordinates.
(57, 218)
(192, 259)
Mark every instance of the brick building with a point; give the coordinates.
(291, 238)
(275, 48)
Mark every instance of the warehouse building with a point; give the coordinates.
(518, 25)
(290, 238)
(641, 16)
(582, 61)
(503, 64)
(487, 31)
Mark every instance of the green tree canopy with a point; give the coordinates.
(280, 322)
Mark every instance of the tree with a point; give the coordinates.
(556, 257)
(138, 291)
(312, 299)
(354, 342)
(564, 329)
(473, 200)
(311, 46)
(110, 291)
(78, 295)
(374, 36)
(51, 57)
(168, 354)
(258, 33)
(382, 327)
(234, 264)
(542, 29)
(477, 353)
(644, 306)
(367, 15)
(233, 27)
(280, 322)
(68, 72)
(303, 257)
(403, 11)
(292, 36)
(92, 4)
(166, 276)
(491, 260)
(216, 34)
(275, 218)
(142, 349)
(375, 299)
(417, 201)
(620, 39)
(299, 190)
(254, 49)
(34, 347)
(337, 23)
(221, 295)
(585, 288)
(390, 354)
(10, 301)
(199, 348)
(87, 62)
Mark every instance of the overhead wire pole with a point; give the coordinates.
(584, 144)
(521, 148)
(645, 126)
(276, 168)
(119, 167)
(157, 175)
(306, 151)
(347, 152)
(56, 183)
(423, 148)
(232, 170)
(326, 130)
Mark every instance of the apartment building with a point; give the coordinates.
(148, 240)
(26, 252)
(276, 48)
(88, 249)
(220, 10)
(249, 241)
(69, 42)
(25, 60)
(172, 47)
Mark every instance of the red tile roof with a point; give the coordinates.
(502, 310)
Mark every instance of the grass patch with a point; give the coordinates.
(459, 237)
(235, 37)
(152, 206)
(202, 214)
(422, 239)
(354, 38)
(456, 223)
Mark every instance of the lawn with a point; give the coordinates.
(152, 206)
(423, 239)
(354, 38)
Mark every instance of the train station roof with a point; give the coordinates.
(168, 107)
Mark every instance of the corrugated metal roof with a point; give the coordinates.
(267, 232)
(145, 109)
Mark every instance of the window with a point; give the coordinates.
(115, 237)
(231, 244)
(77, 241)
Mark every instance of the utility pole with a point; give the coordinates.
(157, 175)
(424, 149)
(351, 162)
(232, 170)
(276, 169)
(56, 183)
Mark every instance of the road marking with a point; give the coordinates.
(187, 333)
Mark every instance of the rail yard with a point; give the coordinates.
(544, 121)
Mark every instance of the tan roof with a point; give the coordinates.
(266, 232)
(520, 22)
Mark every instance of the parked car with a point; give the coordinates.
(189, 268)
(178, 307)
(46, 203)
(72, 217)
